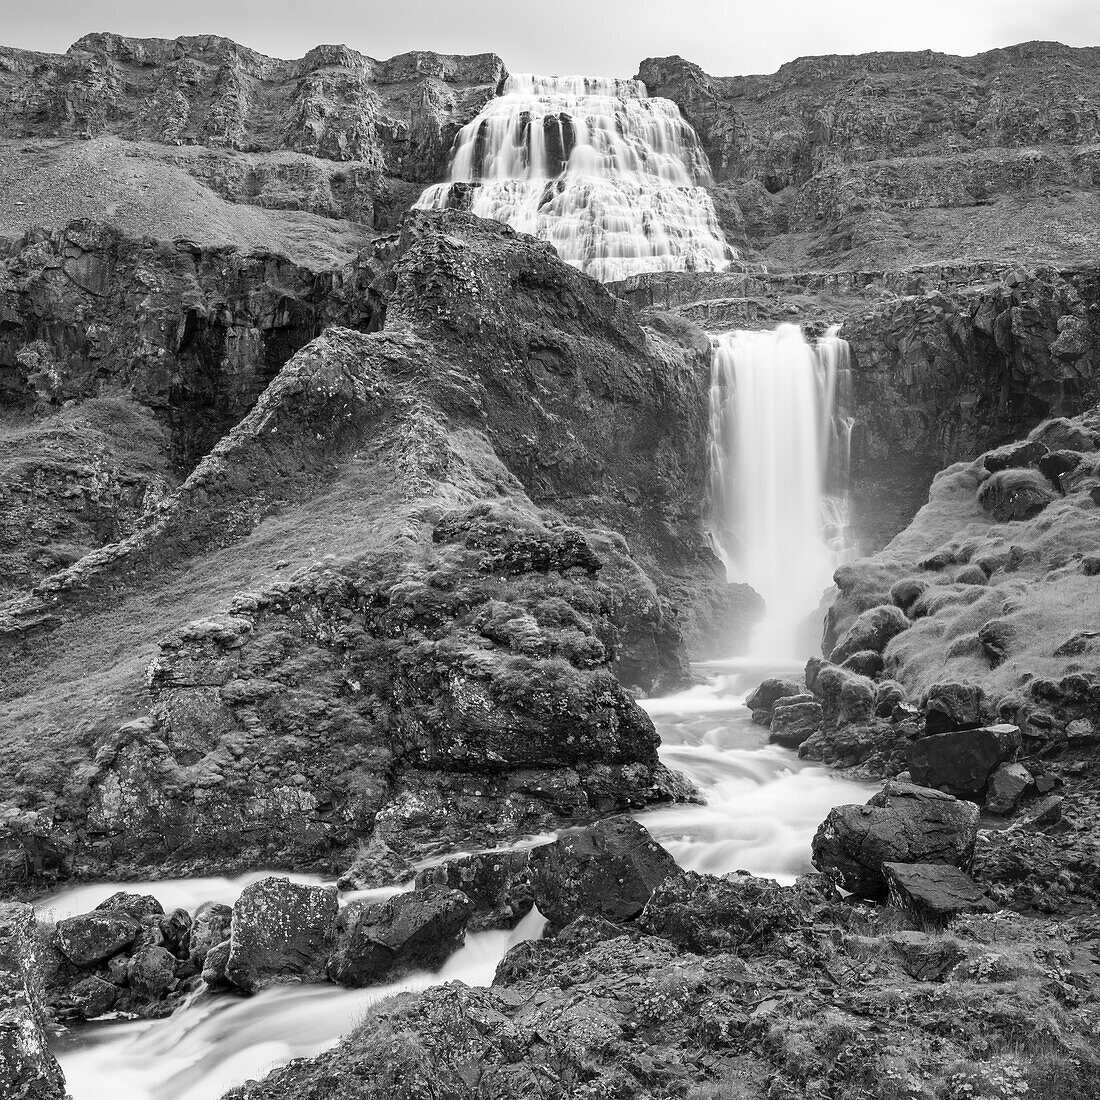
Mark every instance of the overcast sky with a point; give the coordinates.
(594, 37)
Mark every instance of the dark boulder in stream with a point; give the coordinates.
(608, 870)
(412, 931)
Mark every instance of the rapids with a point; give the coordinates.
(615, 180)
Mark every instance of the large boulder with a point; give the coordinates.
(282, 931)
(498, 885)
(28, 1069)
(770, 691)
(414, 931)
(934, 892)
(93, 937)
(137, 906)
(735, 913)
(954, 705)
(871, 632)
(792, 722)
(903, 823)
(962, 762)
(608, 870)
(1015, 494)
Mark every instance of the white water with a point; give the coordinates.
(615, 180)
(777, 431)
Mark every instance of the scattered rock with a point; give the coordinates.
(1014, 455)
(1057, 463)
(865, 663)
(1007, 785)
(151, 972)
(210, 927)
(608, 870)
(871, 631)
(137, 906)
(925, 957)
(93, 997)
(214, 967)
(1041, 814)
(792, 723)
(953, 705)
(1015, 495)
(770, 691)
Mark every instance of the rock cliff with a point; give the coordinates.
(893, 159)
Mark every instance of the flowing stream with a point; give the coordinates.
(774, 418)
(614, 179)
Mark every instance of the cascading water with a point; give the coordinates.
(616, 181)
(779, 444)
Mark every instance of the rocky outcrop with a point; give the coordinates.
(413, 548)
(28, 1069)
(974, 652)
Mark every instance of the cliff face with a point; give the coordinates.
(891, 159)
(337, 135)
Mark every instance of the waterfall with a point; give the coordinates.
(779, 452)
(615, 180)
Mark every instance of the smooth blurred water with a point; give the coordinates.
(779, 442)
(763, 804)
(220, 1041)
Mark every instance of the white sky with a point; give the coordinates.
(594, 37)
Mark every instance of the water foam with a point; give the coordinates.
(614, 179)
